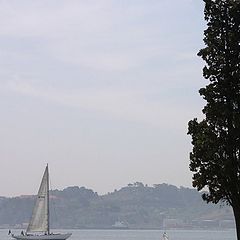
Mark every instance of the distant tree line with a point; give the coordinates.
(137, 205)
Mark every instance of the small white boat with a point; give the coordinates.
(38, 228)
(165, 236)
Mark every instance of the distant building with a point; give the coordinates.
(172, 223)
(206, 223)
(120, 225)
(227, 224)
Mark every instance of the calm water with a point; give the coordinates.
(140, 234)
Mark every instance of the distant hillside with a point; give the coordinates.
(134, 206)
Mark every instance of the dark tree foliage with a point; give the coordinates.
(215, 158)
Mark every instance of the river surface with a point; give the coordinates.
(139, 234)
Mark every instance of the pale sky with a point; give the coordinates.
(101, 90)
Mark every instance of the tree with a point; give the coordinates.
(215, 157)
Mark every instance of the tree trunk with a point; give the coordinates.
(236, 211)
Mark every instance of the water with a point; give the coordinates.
(140, 234)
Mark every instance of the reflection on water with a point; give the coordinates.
(139, 234)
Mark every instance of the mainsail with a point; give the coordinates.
(40, 217)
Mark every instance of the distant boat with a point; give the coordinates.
(38, 228)
(120, 225)
(165, 236)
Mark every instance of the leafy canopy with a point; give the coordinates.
(215, 158)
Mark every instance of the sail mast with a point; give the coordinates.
(48, 227)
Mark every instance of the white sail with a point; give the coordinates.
(39, 223)
(40, 217)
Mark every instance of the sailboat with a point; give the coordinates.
(165, 236)
(38, 227)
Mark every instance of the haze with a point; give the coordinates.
(100, 90)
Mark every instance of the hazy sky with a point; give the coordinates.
(102, 90)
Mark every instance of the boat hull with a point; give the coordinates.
(60, 236)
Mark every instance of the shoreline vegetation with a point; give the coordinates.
(135, 206)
